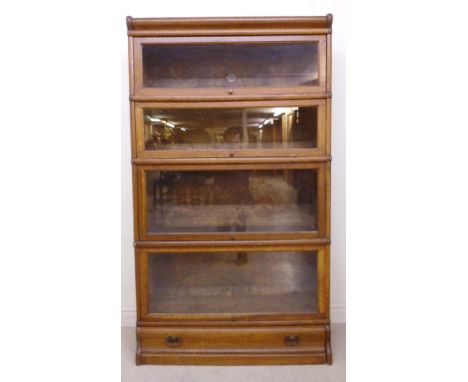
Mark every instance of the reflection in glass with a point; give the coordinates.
(247, 128)
(231, 201)
(216, 283)
(230, 65)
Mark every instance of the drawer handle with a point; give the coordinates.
(291, 340)
(173, 340)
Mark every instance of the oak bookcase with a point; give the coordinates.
(230, 127)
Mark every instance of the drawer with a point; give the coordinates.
(310, 339)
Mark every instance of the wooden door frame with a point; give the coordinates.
(323, 287)
(141, 93)
(321, 215)
(318, 151)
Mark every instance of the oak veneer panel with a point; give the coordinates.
(230, 359)
(310, 339)
(255, 345)
(218, 25)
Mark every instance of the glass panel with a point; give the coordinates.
(248, 128)
(230, 65)
(231, 201)
(242, 282)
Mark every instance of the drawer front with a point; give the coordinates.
(311, 339)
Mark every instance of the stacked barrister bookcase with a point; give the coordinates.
(231, 151)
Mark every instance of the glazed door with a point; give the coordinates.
(236, 67)
(232, 281)
(231, 129)
(208, 203)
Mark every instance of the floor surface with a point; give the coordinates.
(299, 373)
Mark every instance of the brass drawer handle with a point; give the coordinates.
(173, 340)
(291, 340)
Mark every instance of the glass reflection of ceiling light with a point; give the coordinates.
(279, 111)
(231, 77)
(170, 124)
(153, 119)
(268, 121)
(183, 128)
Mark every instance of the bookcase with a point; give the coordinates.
(231, 151)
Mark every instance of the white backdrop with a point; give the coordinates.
(246, 8)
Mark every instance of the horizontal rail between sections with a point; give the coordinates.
(243, 97)
(232, 243)
(228, 161)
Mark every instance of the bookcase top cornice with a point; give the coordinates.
(140, 27)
